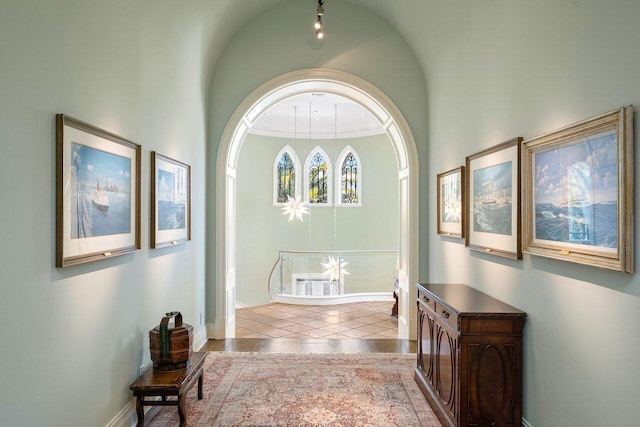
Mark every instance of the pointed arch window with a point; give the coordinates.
(349, 178)
(318, 177)
(286, 172)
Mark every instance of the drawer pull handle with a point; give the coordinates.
(445, 314)
(425, 299)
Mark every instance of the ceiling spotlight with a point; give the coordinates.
(318, 24)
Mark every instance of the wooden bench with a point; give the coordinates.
(153, 383)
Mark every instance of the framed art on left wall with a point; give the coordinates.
(97, 193)
(170, 201)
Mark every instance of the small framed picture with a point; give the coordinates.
(170, 201)
(97, 193)
(493, 200)
(451, 203)
(578, 192)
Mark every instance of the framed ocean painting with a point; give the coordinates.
(578, 183)
(170, 201)
(493, 200)
(451, 203)
(97, 193)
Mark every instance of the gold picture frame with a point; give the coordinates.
(493, 200)
(97, 193)
(578, 185)
(450, 203)
(170, 201)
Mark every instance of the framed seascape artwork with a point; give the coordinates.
(97, 193)
(170, 201)
(493, 200)
(451, 203)
(578, 184)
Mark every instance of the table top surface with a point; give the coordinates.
(156, 380)
(464, 299)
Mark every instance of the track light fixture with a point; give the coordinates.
(318, 23)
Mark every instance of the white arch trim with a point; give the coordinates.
(256, 104)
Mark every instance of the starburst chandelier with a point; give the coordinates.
(295, 208)
(335, 268)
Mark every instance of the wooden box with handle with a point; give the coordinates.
(171, 347)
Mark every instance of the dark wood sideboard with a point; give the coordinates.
(469, 363)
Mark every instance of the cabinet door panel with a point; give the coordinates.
(426, 343)
(491, 384)
(446, 348)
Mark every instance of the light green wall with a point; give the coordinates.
(73, 339)
(500, 69)
(263, 230)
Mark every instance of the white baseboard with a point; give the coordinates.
(526, 423)
(200, 339)
(127, 417)
(211, 330)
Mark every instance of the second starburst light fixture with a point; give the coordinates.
(318, 23)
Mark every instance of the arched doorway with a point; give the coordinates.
(259, 101)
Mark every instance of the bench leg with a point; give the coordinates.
(200, 387)
(181, 411)
(140, 411)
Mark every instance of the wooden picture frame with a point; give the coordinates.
(450, 203)
(97, 193)
(578, 184)
(170, 201)
(493, 200)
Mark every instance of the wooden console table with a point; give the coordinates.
(153, 383)
(469, 356)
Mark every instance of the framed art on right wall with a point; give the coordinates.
(450, 199)
(578, 192)
(493, 200)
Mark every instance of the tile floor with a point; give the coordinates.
(366, 320)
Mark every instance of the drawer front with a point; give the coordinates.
(449, 316)
(426, 301)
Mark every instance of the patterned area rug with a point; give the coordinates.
(270, 389)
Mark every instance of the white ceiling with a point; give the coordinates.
(328, 115)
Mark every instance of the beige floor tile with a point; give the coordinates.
(356, 320)
(276, 333)
(280, 323)
(335, 328)
(298, 328)
(372, 329)
(352, 323)
(355, 333)
(316, 323)
(317, 333)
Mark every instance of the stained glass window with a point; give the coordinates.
(285, 175)
(349, 178)
(318, 177)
